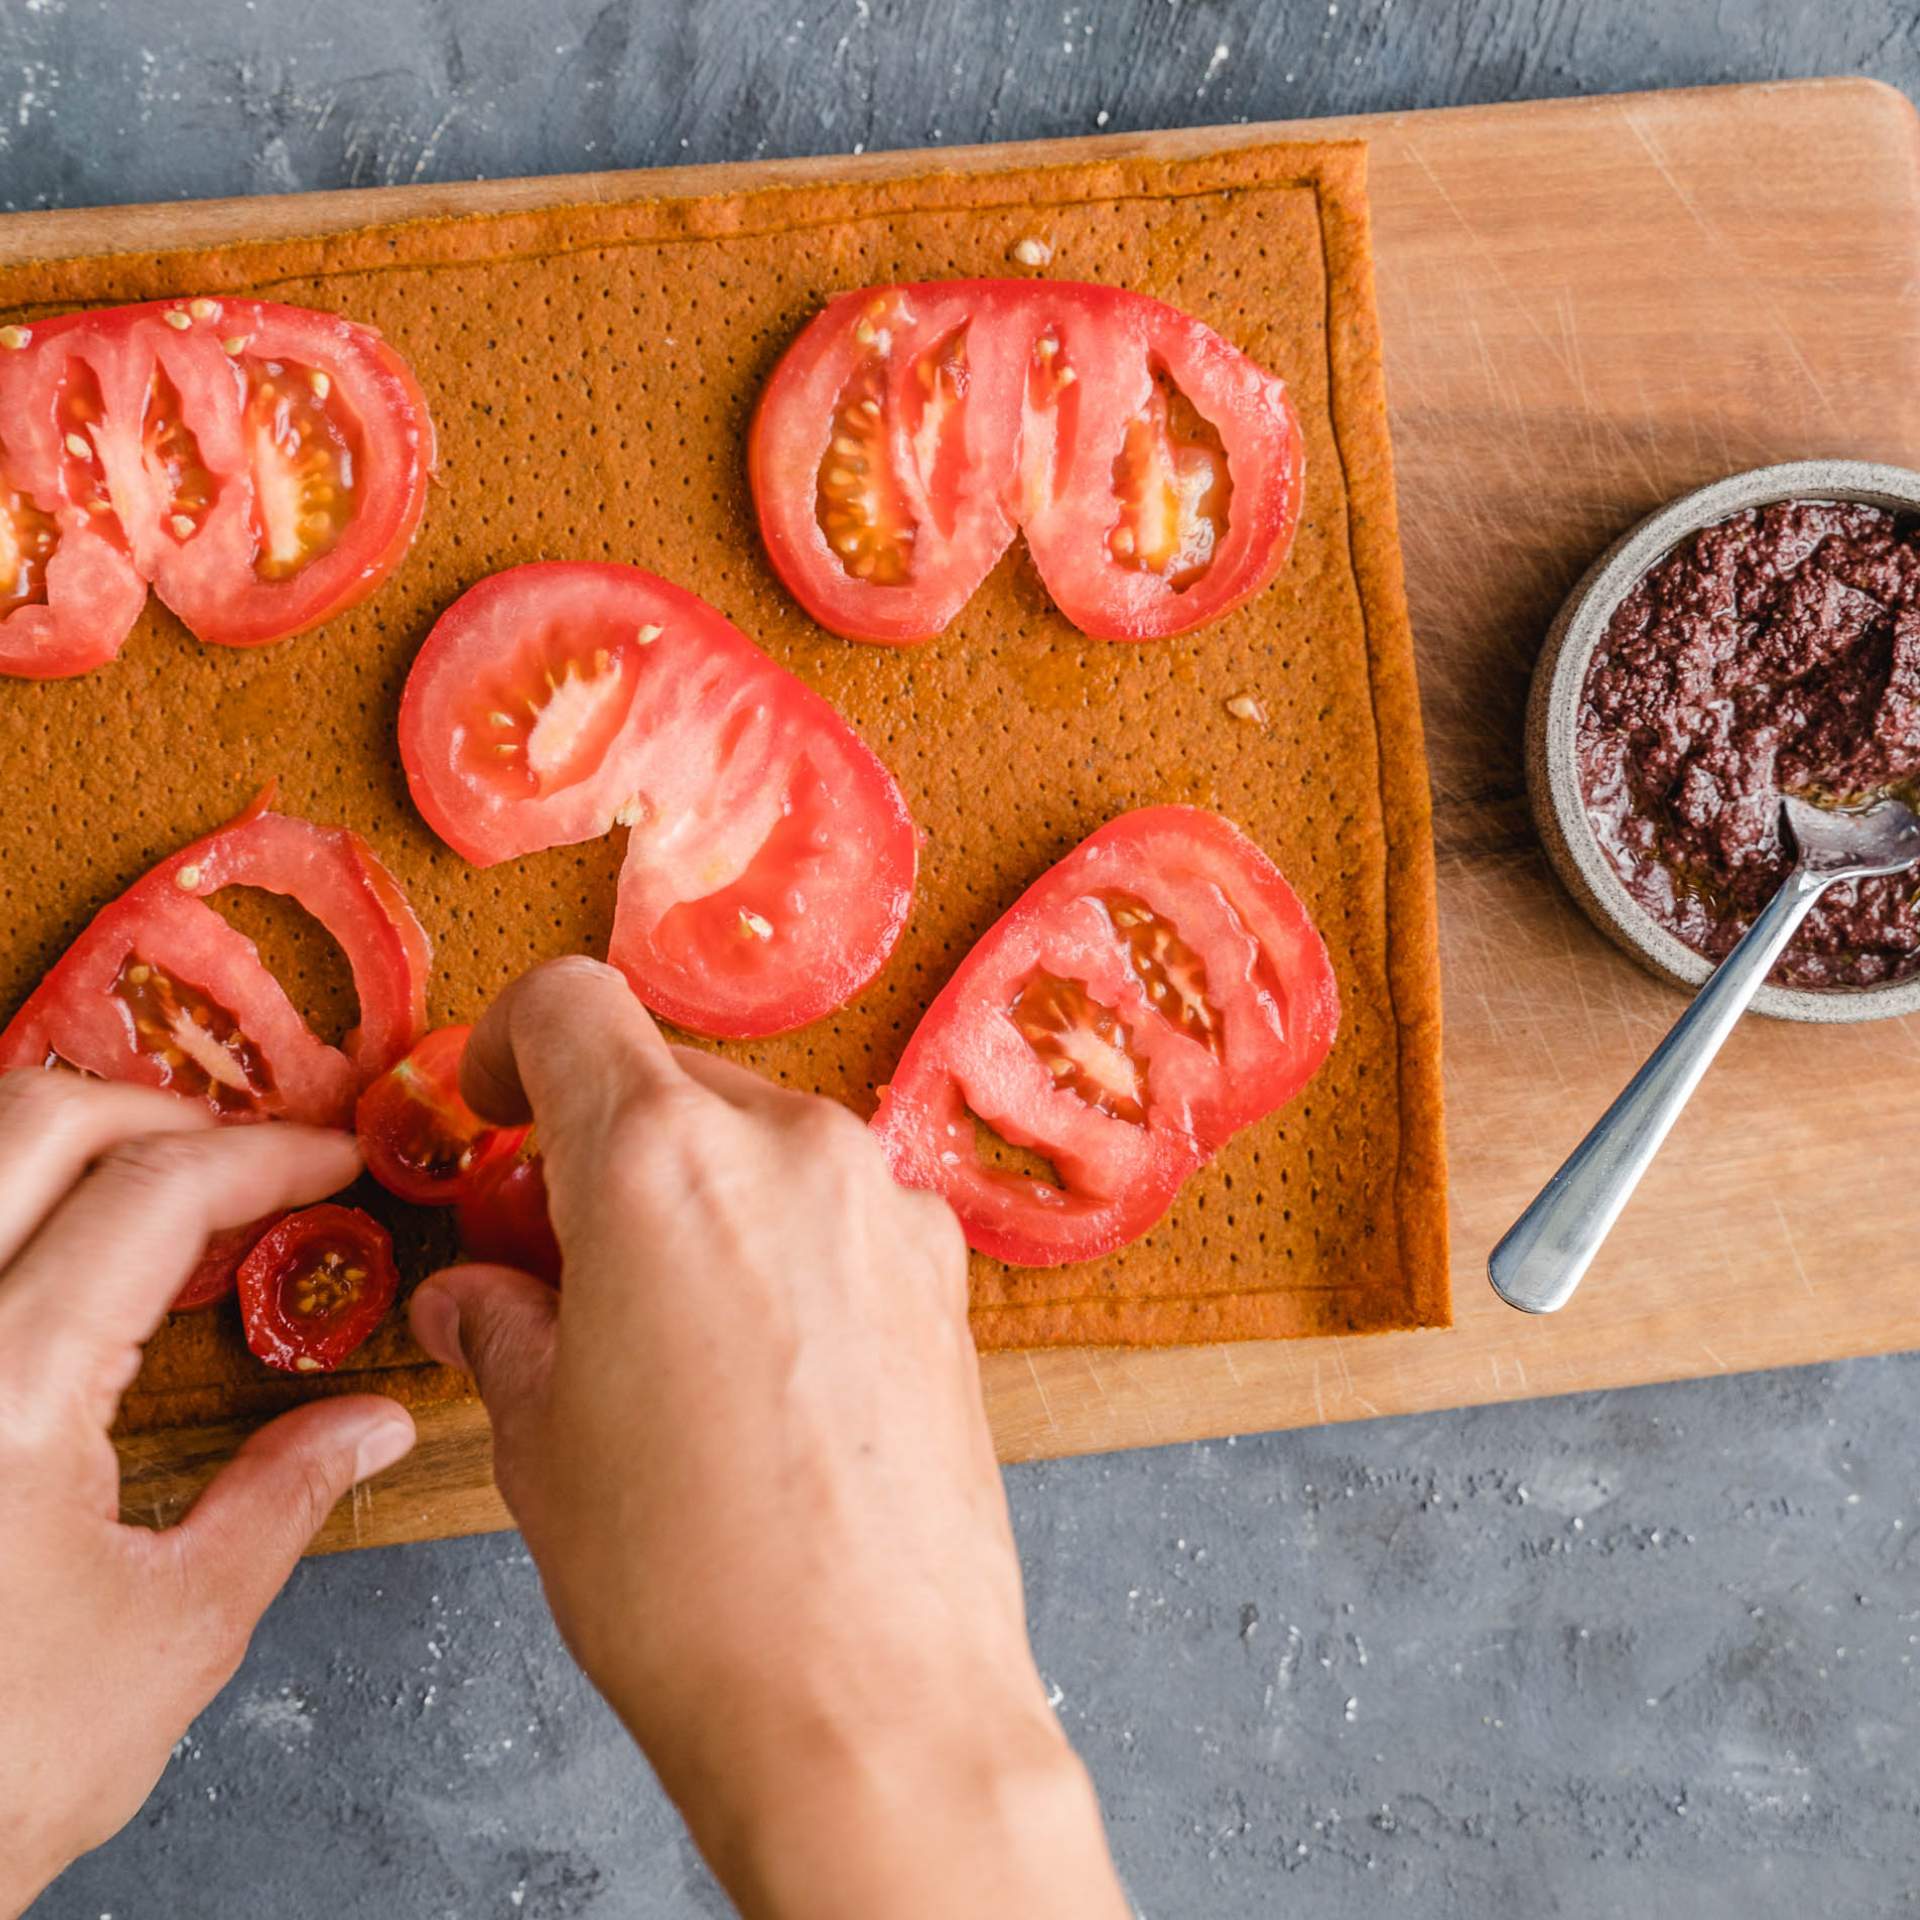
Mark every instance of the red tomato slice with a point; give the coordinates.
(334, 452)
(160, 990)
(314, 1286)
(1156, 991)
(69, 589)
(213, 1277)
(503, 1215)
(1156, 471)
(420, 1138)
(883, 454)
(263, 466)
(770, 858)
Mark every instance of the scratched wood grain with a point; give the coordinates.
(1588, 307)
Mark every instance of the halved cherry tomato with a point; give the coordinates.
(909, 431)
(212, 1279)
(1156, 991)
(160, 990)
(263, 466)
(314, 1286)
(770, 858)
(503, 1215)
(421, 1140)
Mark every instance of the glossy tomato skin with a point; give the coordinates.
(1154, 992)
(314, 1286)
(161, 991)
(218, 1267)
(503, 1217)
(1082, 415)
(770, 856)
(420, 1138)
(261, 466)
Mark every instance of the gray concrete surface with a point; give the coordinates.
(1648, 1653)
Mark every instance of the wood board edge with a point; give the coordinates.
(60, 233)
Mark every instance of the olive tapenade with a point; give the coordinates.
(1776, 652)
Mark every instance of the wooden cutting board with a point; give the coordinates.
(1588, 307)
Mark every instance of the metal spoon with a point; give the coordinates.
(1546, 1251)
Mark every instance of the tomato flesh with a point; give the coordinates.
(160, 990)
(195, 1045)
(261, 466)
(770, 857)
(1155, 470)
(1146, 998)
(314, 1286)
(1170, 478)
(218, 1267)
(69, 589)
(301, 454)
(503, 1215)
(420, 1138)
(858, 502)
(27, 540)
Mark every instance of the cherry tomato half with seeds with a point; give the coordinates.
(503, 1218)
(315, 1285)
(420, 1138)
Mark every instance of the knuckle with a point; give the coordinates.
(150, 1163)
(316, 1492)
(32, 1099)
(945, 1233)
(487, 1341)
(555, 993)
(945, 1242)
(826, 1127)
(573, 966)
(643, 1119)
(26, 1087)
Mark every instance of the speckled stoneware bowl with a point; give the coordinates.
(1553, 775)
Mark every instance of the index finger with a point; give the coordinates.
(96, 1279)
(54, 1125)
(565, 1046)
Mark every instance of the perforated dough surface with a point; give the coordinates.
(591, 373)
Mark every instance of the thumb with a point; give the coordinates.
(260, 1513)
(498, 1324)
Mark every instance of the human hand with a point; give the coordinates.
(747, 1448)
(116, 1636)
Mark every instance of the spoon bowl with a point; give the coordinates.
(1854, 843)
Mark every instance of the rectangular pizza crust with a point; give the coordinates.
(591, 372)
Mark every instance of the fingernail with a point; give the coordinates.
(435, 1320)
(390, 1440)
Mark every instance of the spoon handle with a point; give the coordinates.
(1546, 1251)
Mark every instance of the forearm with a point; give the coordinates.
(29, 1861)
(1000, 1819)
(746, 1446)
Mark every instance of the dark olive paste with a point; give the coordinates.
(1776, 652)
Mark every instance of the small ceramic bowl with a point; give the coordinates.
(1553, 775)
